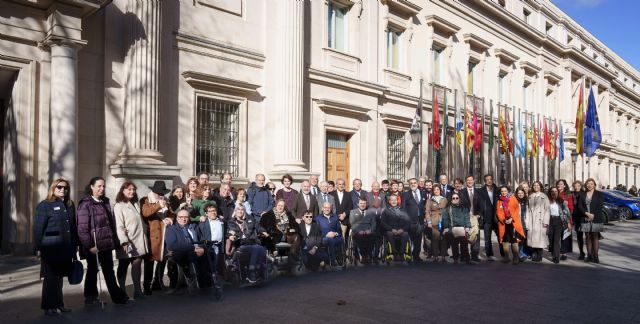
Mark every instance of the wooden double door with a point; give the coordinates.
(337, 147)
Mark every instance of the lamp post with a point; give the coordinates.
(574, 159)
(416, 135)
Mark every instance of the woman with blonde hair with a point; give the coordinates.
(593, 222)
(55, 236)
(537, 221)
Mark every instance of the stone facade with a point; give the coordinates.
(127, 89)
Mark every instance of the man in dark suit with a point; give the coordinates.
(305, 201)
(376, 198)
(445, 187)
(467, 199)
(181, 243)
(315, 188)
(485, 206)
(325, 196)
(357, 192)
(342, 200)
(413, 202)
(312, 249)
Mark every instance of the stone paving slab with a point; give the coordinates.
(489, 292)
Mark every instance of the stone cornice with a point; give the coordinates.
(404, 6)
(476, 41)
(552, 77)
(339, 81)
(529, 67)
(505, 56)
(442, 25)
(622, 88)
(341, 108)
(203, 81)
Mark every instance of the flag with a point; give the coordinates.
(592, 134)
(546, 139)
(459, 126)
(580, 124)
(417, 118)
(536, 138)
(435, 122)
(508, 130)
(491, 135)
(445, 123)
(521, 148)
(471, 132)
(555, 140)
(529, 141)
(477, 127)
(503, 134)
(561, 143)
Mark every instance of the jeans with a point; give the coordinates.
(256, 253)
(488, 246)
(555, 235)
(333, 243)
(109, 277)
(397, 248)
(363, 244)
(51, 285)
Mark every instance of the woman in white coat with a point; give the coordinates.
(132, 238)
(537, 221)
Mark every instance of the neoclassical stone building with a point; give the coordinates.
(151, 89)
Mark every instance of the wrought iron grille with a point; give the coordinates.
(395, 155)
(217, 136)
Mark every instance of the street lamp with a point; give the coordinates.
(416, 138)
(574, 159)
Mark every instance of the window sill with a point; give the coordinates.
(340, 62)
(396, 79)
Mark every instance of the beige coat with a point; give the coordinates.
(433, 211)
(537, 220)
(130, 229)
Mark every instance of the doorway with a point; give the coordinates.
(338, 157)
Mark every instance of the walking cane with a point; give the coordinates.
(98, 266)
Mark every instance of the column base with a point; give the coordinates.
(298, 176)
(143, 176)
(141, 157)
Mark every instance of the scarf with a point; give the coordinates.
(282, 220)
(504, 200)
(437, 199)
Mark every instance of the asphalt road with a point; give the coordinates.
(490, 292)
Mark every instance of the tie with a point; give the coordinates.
(471, 199)
(315, 191)
(185, 231)
(306, 200)
(375, 201)
(324, 197)
(415, 196)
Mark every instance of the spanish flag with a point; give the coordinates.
(580, 124)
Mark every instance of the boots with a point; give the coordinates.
(122, 283)
(516, 253)
(508, 254)
(137, 292)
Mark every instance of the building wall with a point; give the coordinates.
(234, 50)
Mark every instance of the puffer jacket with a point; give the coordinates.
(96, 215)
(260, 199)
(458, 214)
(55, 232)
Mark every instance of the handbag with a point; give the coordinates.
(77, 273)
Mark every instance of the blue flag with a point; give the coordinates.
(592, 134)
(561, 143)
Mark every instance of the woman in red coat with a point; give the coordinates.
(510, 231)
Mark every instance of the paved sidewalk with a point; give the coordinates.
(490, 292)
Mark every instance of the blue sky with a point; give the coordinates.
(614, 22)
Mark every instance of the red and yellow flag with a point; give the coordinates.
(580, 124)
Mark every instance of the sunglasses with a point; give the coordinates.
(62, 187)
(272, 189)
(455, 198)
(183, 216)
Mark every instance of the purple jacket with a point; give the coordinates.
(104, 225)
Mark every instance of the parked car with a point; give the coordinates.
(611, 212)
(628, 205)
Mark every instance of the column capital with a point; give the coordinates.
(54, 40)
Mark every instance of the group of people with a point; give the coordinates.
(388, 223)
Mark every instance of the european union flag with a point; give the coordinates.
(592, 134)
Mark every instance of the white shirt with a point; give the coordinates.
(554, 209)
(490, 192)
(216, 230)
(307, 227)
(340, 195)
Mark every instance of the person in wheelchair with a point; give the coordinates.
(282, 227)
(181, 245)
(211, 234)
(329, 225)
(242, 234)
(363, 229)
(313, 251)
(396, 225)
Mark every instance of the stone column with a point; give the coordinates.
(142, 63)
(289, 101)
(140, 161)
(64, 109)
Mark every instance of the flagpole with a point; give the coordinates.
(419, 159)
(481, 153)
(455, 129)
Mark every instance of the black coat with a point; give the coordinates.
(578, 214)
(395, 219)
(225, 206)
(343, 206)
(597, 200)
(483, 205)
(414, 209)
(313, 237)
(250, 233)
(268, 223)
(465, 201)
(55, 233)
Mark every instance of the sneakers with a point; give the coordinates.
(252, 276)
(91, 301)
(491, 258)
(51, 312)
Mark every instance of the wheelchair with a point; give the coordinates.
(237, 269)
(341, 257)
(284, 263)
(386, 255)
(353, 252)
(190, 276)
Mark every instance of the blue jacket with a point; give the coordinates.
(355, 197)
(329, 225)
(176, 240)
(260, 199)
(55, 232)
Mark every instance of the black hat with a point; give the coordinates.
(160, 188)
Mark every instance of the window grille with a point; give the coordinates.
(217, 137)
(395, 155)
